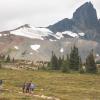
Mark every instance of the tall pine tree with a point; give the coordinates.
(8, 59)
(90, 63)
(81, 69)
(54, 62)
(65, 65)
(74, 61)
(60, 61)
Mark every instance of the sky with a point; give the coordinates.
(39, 13)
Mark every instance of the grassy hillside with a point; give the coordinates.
(72, 86)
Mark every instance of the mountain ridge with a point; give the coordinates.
(37, 43)
(84, 20)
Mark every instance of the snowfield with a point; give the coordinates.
(81, 34)
(31, 53)
(39, 33)
(70, 33)
(16, 47)
(61, 50)
(52, 40)
(32, 32)
(97, 55)
(59, 35)
(73, 34)
(35, 47)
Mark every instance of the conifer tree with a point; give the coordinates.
(54, 62)
(90, 63)
(13, 60)
(2, 57)
(74, 59)
(8, 59)
(63, 58)
(60, 60)
(68, 60)
(81, 69)
(65, 67)
(0, 65)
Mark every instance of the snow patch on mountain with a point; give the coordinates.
(81, 34)
(62, 50)
(41, 33)
(36, 33)
(16, 47)
(5, 34)
(32, 32)
(59, 35)
(52, 40)
(70, 33)
(44, 30)
(27, 32)
(97, 55)
(31, 53)
(35, 47)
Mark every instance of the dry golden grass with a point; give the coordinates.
(72, 86)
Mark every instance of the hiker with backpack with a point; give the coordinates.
(32, 87)
(24, 87)
(28, 87)
(1, 82)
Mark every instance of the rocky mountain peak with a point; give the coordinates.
(85, 16)
(84, 19)
(63, 25)
(25, 25)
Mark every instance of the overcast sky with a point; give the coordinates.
(14, 13)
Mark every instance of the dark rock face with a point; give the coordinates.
(85, 17)
(99, 21)
(63, 25)
(84, 20)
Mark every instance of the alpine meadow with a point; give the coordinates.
(59, 61)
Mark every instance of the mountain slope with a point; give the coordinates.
(36, 43)
(61, 26)
(36, 49)
(85, 17)
(84, 21)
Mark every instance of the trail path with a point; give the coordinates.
(35, 95)
(41, 96)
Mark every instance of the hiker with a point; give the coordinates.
(28, 87)
(32, 87)
(1, 84)
(24, 87)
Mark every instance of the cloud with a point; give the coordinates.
(37, 12)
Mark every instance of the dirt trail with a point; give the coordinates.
(35, 95)
(41, 96)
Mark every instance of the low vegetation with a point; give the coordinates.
(49, 79)
(71, 86)
(73, 62)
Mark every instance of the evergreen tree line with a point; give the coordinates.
(7, 58)
(73, 62)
